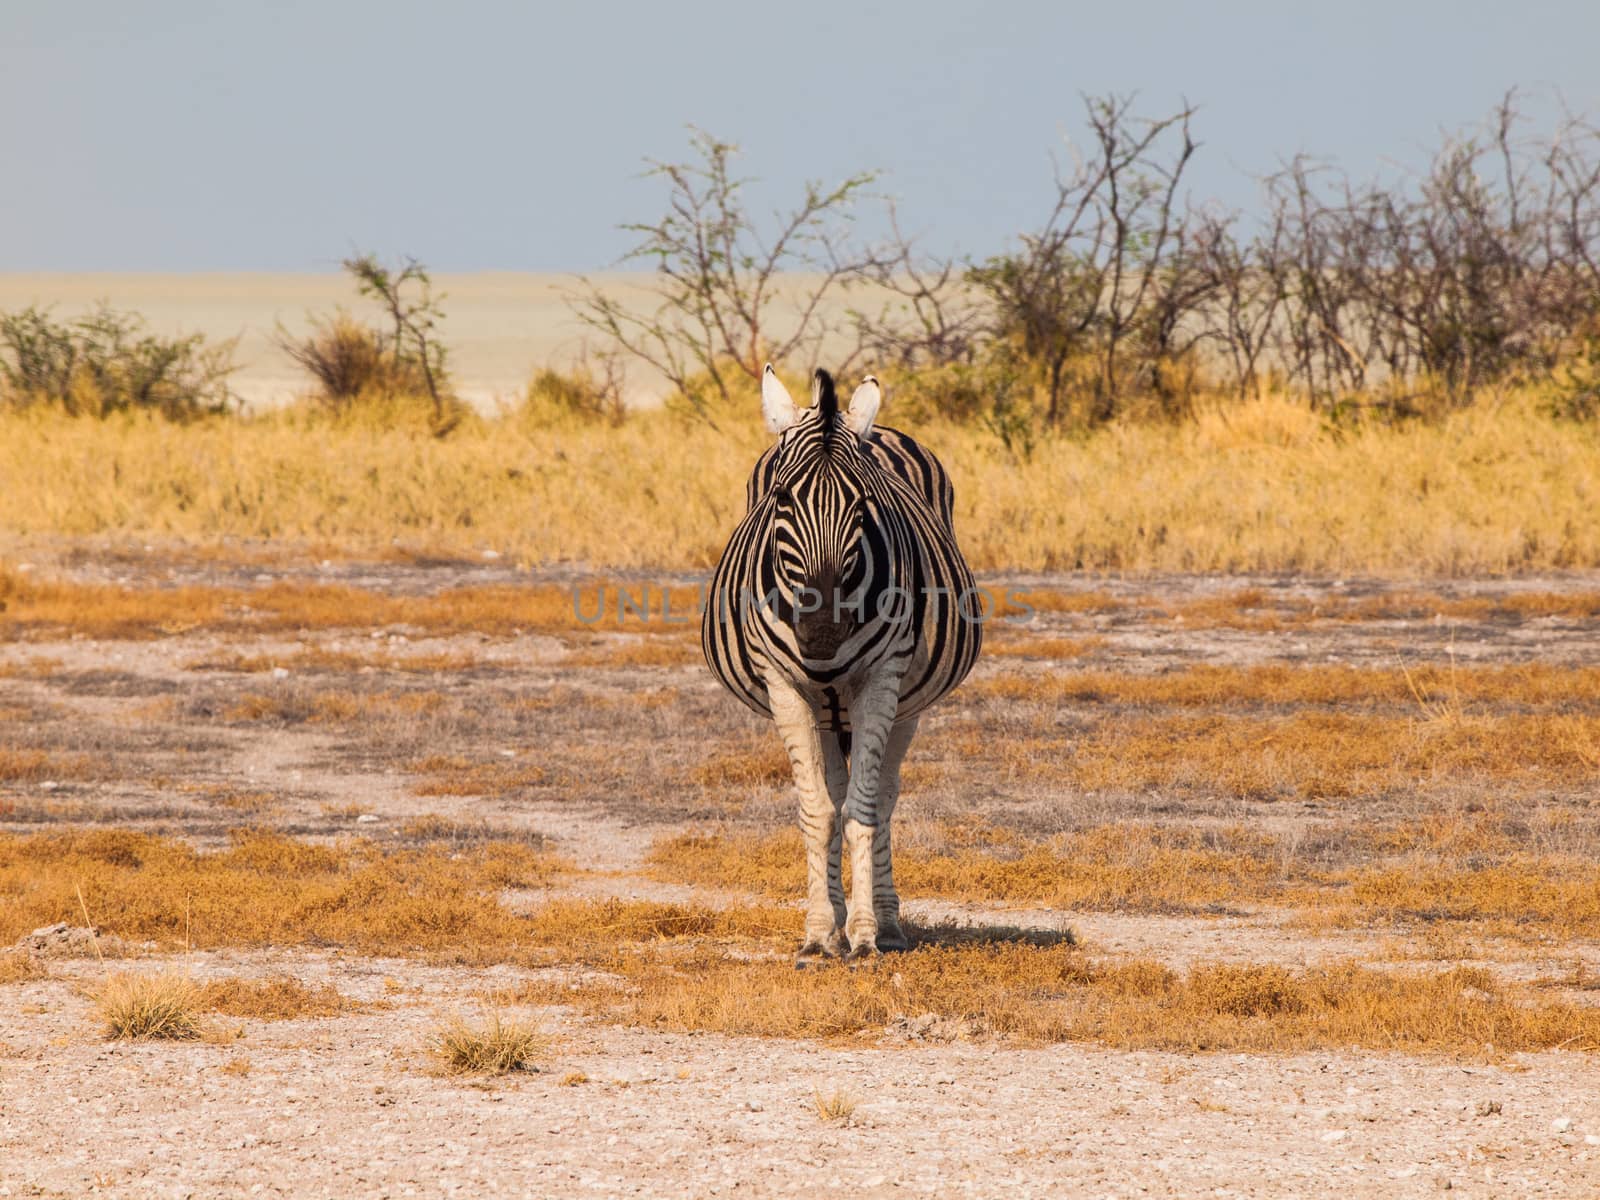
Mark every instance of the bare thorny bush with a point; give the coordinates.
(353, 362)
(720, 313)
(1406, 296)
(1483, 269)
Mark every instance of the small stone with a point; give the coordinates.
(1561, 1124)
(754, 1105)
(1335, 1135)
(368, 819)
(280, 672)
(1489, 1108)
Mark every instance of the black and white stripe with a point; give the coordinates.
(842, 608)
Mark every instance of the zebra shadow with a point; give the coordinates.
(922, 934)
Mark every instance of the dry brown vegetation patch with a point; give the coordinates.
(1133, 867)
(1308, 753)
(149, 1004)
(265, 889)
(1415, 687)
(1265, 610)
(1034, 646)
(1052, 994)
(319, 659)
(1314, 754)
(21, 966)
(755, 761)
(494, 1045)
(646, 652)
(454, 775)
(591, 928)
(21, 765)
(1482, 870)
(36, 607)
(294, 705)
(277, 999)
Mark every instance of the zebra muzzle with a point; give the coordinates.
(821, 623)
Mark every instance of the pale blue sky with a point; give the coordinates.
(213, 136)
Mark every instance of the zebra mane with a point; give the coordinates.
(826, 401)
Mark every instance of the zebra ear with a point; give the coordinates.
(864, 407)
(777, 406)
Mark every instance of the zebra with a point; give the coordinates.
(842, 608)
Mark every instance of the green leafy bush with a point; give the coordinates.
(106, 363)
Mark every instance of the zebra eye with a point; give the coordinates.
(782, 495)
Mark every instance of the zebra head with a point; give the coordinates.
(828, 550)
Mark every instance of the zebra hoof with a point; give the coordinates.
(819, 950)
(891, 940)
(864, 951)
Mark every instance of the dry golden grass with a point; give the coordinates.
(590, 927)
(1261, 486)
(1432, 747)
(248, 802)
(35, 667)
(1484, 873)
(295, 705)
(690, 967)
(37, 607)
(322, 660)
(652, 652)
(452, 775)
(756, 761)
(277, 999)
(1128, 867)
(145, 1004)
(267, 890)
(1262, 611)
(1532, 683)
(431, 827)
(43, 608)
(494, 1045)
(36, 766)
(1316, 754)
(1042, 647)
(1052, 994)
(20, 966)
(1536, 896)
(834, 1108)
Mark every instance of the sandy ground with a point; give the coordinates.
(499, 327)
(352, 1105)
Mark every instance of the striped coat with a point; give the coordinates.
(842, 608)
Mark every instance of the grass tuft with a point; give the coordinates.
(146, 1005)
(835, 1108)
(494, 1045)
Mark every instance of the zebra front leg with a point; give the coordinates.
(872, 730)
(797, 723)
(837, 768)
(885, 901)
